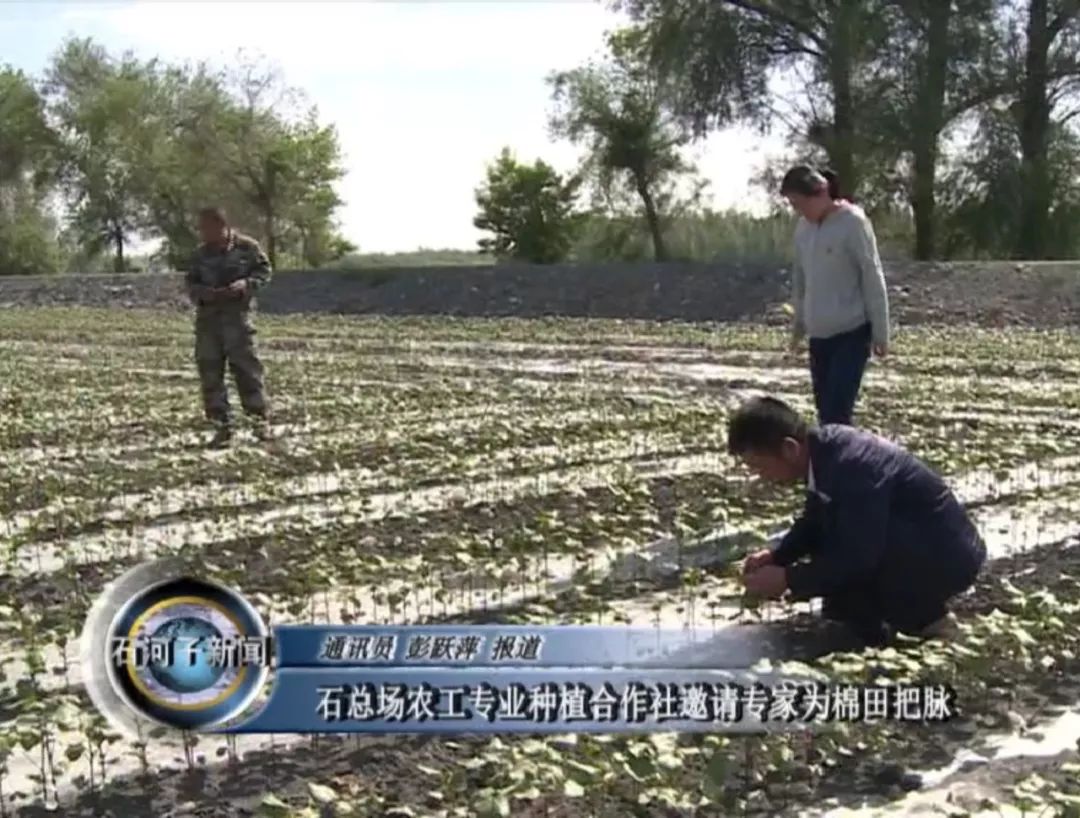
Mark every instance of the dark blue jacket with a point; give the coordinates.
(878, 519)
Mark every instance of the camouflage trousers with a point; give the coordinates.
(229, 338)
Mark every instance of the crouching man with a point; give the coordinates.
(886, 542)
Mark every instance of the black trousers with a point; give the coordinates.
(837, 364)
(862, 611)
(906, 606)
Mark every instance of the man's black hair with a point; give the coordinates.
(214, 214)
(761, 424)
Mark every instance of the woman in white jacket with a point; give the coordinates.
(838, 290)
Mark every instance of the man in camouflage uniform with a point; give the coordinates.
(224, 274)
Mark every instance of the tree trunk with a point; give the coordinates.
(924, 200)
(305, 247)
(927, 125)
(840, 143)
(1034, 137)
(656, 230)
(270, 197)
(271, 238)
(119, 262)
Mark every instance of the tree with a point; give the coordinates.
(1022, 60)
(529, 209)
(619, 111)
(313, 157)
(264, 145)
(28, 235)
(982, 190)
(140, 146)
(178, 175)
(104, 113)
(27, 144)
(1047, 59)
(939, 62)
(722, 55)
(28, 241)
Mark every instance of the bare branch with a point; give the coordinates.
(770, 12)
(792, 51)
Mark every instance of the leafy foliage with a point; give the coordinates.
(723, 55)
(280, 161)
(104, 119)
(142, 145)
(985, 190)
(880, 89)
(530, 209)
(620, 112)
(28, 236)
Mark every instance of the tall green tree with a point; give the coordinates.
(1045, 48)
(982, 189)
(312, 157)
(528, 209)
(940, 61)
(619, 111)
(104, 114)
(142, 145)
(1022, 152)
(177, 174)
(27, 144)
(275, 154)
(28, 233)
(724, 54)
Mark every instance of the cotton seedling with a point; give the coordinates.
(591, 459)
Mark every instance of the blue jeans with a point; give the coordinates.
(837, 365)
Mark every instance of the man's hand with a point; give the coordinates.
(769, 581)
(881, 350)
(237, 288)
(208, 295)
(758, 559)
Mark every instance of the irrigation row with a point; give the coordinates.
(662, 609)
(220, 494)
(288, 336)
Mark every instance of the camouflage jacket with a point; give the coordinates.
(213, 268)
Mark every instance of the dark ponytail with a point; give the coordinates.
(832, 182)
(805, 180)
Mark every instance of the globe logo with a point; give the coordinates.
(186, 653)
(192, 669)
(192, 664)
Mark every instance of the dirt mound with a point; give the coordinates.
(988, 293)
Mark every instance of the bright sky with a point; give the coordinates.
(424, 94)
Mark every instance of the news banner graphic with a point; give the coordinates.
(190, 654)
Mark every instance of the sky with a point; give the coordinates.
(423, 94)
